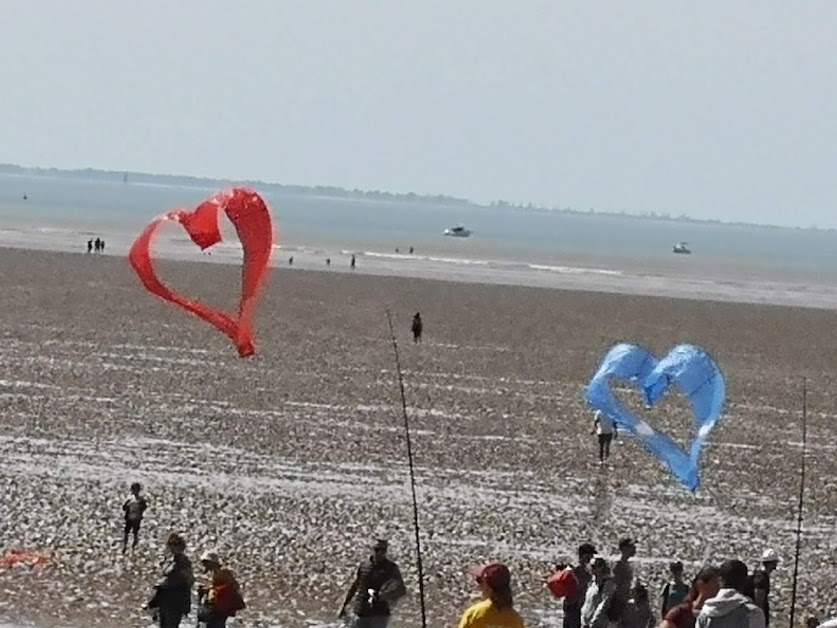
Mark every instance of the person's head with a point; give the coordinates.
(379, 550)
(628, 547)
(136, 487)
(706, 584)
(175, 543)
(494, 580)
(599, 567)
(769, 561)
(812, 622)
(676, 570)
(733, 575)
(210, 561)
(586, 551)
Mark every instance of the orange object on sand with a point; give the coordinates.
(25, 558)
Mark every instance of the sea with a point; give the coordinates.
(509, 245)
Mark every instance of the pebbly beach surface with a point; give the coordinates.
(289, 463)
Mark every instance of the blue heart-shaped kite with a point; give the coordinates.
(688, 366)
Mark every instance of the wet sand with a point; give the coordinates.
(288, 463)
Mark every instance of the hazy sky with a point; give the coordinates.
(718, 109)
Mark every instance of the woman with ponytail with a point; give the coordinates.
(496, 610)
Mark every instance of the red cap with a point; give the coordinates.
(495, 575)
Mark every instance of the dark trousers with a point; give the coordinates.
(604, 446)
(130, 527)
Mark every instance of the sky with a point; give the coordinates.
(721, 109)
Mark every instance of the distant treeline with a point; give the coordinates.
(92, 174)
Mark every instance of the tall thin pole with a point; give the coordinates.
(412, 471)
(801, 498)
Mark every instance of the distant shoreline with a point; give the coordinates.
(334, 192)
(570, 277)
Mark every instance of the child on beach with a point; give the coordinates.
(134, 509)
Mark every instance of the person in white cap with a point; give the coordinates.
(220, 596)
(758, 585)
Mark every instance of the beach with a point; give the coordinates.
(289, 463)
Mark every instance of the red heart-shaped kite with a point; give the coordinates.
(251, 217)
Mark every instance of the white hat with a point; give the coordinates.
(769, 556)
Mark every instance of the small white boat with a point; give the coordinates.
(457, 232)
(682, 248)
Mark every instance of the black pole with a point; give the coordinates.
(801, 496)
(412, 472)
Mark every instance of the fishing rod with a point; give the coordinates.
(412, 472)
(801, 496)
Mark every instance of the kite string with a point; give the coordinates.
(419, 565)
(801, 499)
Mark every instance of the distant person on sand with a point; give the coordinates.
(328, 261)
(291, 261)
(90, 246)
(97, 244)
(352, 263)
(606, 430)
(134, 509)
(497, 606)
(172, 599)
(411, 250)
(377, 586)
(219, 597)
(417, 328)
(102, 246)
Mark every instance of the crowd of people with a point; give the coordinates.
(594, 592)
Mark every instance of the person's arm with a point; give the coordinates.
(666, 590)
(394, 589)
(465, 622)
(349, 596)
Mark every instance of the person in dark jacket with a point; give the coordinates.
(172, 599)
(377, 586)
(417, 328)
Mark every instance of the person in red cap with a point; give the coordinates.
(496, 610)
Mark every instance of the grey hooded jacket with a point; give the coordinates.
(730, 609)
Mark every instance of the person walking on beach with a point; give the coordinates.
(134, 509)
(219, 597)
(172, 599)
(496, 609)
(352, 263)
(90, 246)
(417, 328)
(377, 586)
(606, 430)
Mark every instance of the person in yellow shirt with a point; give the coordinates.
(496, 610)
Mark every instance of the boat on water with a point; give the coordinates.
(458, 231)
(682, 248)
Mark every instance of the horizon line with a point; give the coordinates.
(405, 196)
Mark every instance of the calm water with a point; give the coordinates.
(88, 207)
